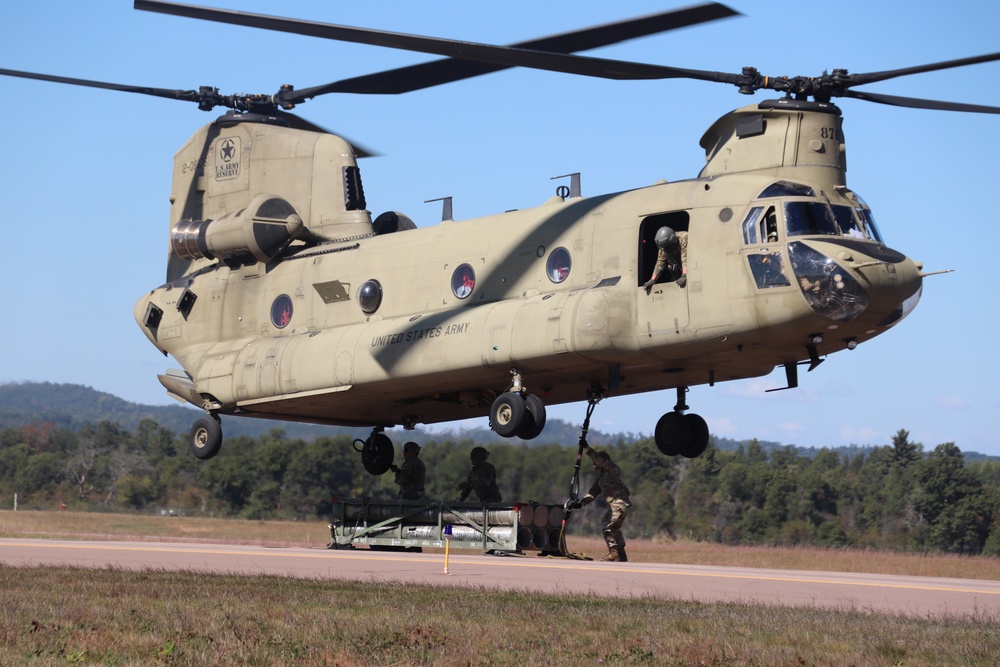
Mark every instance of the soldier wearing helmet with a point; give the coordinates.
(616, 494)
(482, 479)
(411, 475)
(671, 258)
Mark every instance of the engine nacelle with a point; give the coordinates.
(257, 233)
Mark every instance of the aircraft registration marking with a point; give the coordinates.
(414, 335)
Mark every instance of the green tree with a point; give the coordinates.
(952, 503)
(904, 451)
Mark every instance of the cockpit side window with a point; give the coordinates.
(804, 218)
(768, 269)
(750, 236)
(770, 231)
(760, 225)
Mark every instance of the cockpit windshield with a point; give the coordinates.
(807, 217)
(848, 224)
(869, 223)
(803, 218)
(864, 212)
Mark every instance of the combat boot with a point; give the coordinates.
(622, 556)
(612, 556)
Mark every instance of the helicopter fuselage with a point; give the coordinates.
(283, 301)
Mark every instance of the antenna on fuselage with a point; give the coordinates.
(446, 213)
(574, 186)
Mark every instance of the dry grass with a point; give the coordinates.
(64, 615)
(96, 526)
(91, 526)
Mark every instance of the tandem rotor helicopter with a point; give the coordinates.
(286, 298)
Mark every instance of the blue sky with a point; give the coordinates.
(85, 176)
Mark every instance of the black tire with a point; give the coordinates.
(507, 414)
(699, 436)
(205, 438)
(672, 434)
(377, 454)
(534, 419)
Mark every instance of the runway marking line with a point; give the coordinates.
(536, 563)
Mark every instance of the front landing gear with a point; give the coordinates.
(681, 434)
(376, 452)
(516, 412)
(205, 437)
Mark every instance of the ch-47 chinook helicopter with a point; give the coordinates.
(286, 299)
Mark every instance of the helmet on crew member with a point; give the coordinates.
(479, 454)
(601, 460)
(665, 236)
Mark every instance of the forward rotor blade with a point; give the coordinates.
(497, 55)
(438, 72)
(917, 103)
(872, 77)
(187, 95)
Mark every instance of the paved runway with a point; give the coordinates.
(914, 596)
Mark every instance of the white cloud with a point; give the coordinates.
(950, 403)
(790, 428)
(862, 435)
(756, 388)
(722, 426)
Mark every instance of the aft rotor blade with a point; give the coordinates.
(917, 103)
(872, 77)
(188, 95)
(497, 55)
(438, 72)
(300, 123)
(207, 99)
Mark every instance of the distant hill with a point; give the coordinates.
(71, 406)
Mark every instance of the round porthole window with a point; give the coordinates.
(558, 265)
(281, 311)
(463, 281)
(370, 296)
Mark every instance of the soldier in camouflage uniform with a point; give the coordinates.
(411, 475)
(671, 258)
(616, 494)
(482, 479)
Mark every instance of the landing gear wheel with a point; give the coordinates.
(377, 453)
(507, 414)
(698, 442)
(205, 437)
(534, 419)
(672, 434)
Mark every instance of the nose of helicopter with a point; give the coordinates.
(866, 284)
(895, 289)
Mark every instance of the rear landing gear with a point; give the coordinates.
(517, 413)
(681, 434)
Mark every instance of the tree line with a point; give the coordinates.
(892, 497)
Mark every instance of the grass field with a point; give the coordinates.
(65, 615)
